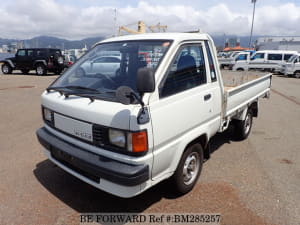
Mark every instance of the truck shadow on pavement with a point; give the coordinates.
(84, 198)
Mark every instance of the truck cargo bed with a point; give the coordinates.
(242, 88)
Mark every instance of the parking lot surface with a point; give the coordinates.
(255, 181)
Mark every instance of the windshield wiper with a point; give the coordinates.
(79, 91)
(82, 88)
(92, 97)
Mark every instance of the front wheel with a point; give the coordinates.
(242, 128)
(6, 69)
(188, 170)
(40, 69)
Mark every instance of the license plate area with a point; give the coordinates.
(73, 164)
(77, 128)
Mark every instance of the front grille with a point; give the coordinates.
(100, 135)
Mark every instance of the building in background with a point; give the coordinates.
(233, 44)
(278, 43)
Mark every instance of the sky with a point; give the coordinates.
(78, 19)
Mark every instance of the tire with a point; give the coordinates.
(6, 68)
(239, 69)
(25, 71)
(188, 170)
(242, 128)
(297, 74)
(40, 69)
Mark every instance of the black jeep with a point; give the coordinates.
(40, 59)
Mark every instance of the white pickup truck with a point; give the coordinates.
(150, 121)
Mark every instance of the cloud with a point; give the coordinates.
(29, 18)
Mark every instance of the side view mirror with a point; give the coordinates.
(145, 82)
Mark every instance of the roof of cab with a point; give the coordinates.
(159, 36)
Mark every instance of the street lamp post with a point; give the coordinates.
(254, 2)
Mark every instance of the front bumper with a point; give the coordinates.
(91, 165)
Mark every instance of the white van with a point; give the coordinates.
(268, 60)
(151, 119)
(292, 67)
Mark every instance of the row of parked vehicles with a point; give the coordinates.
(277, 61)
(42, 60)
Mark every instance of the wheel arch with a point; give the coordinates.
(40, 62)
(203, 141)
(9, 62)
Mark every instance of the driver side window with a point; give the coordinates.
(187, 71)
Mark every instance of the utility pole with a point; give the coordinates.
(254, 2)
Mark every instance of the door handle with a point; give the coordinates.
(207, 97)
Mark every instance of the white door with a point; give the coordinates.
(186, 105)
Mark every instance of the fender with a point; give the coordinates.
(9, 62)
(40, 61)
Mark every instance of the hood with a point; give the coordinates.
(106, 113)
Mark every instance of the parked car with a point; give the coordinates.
(108, 65)
(69, 60)
(126, 132)
(240, 56)
(267, 60)
(292, 67)
(42, 60)
(228, 60)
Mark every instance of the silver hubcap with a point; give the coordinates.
(190, 168)
(5, 69)
(40, 70)
(247, 124)
(297, 75)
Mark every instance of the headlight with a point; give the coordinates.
(47, 114)
(130, 141)
(117, 137)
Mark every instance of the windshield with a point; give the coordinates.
(292, 58)
(110, 65)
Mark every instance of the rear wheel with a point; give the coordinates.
(40, 69)
(188, 170)
(6, 68)
(242, 128)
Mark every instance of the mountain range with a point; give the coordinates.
(54, 42)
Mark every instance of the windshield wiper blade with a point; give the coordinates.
(71, 89)
(82, 88)
(85, 95)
